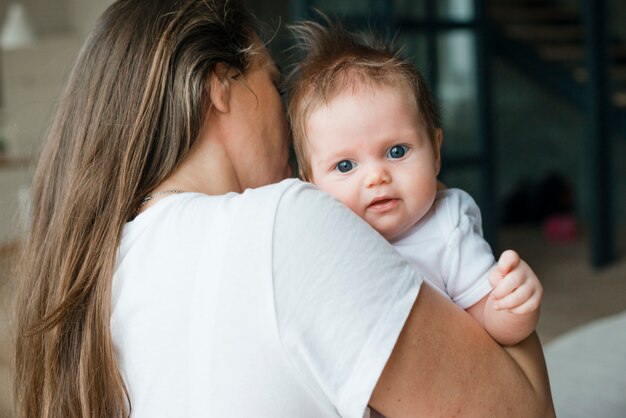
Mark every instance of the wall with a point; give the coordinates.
(84, 13)
(32, 79)
(48, 17)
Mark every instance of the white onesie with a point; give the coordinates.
(448, 247)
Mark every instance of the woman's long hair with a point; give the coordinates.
(133, 106)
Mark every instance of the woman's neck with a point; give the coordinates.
(206, 169)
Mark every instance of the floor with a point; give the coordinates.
(575, 293)
(585, 384)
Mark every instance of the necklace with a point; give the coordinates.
(153, 195)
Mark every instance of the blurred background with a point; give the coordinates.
(533, 103)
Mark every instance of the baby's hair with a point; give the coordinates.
(335, 59)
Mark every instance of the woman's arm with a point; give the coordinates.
(445, 364)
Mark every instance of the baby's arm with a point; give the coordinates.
(511, 311)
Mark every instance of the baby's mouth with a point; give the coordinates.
(383, 204)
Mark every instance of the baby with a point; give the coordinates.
(366, 131)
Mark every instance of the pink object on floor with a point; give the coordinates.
(563, 228)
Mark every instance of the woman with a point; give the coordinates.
(149, 287)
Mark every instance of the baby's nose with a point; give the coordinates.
(378, 175)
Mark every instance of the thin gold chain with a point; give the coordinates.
(153, 195)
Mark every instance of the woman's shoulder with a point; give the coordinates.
(305, 203)
(291, 197)
(291, 200)
(256, 198)
(287, 187)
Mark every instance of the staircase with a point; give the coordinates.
(546, 40)
(569, 49)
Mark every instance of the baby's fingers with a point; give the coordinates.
(508, 285)
(508, 261)
(531, 305)
(495, 277)
(524, 299)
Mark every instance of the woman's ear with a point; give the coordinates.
(437, 150)
(218, 88)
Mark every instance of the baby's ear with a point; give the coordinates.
(437, 146)
(218, 88)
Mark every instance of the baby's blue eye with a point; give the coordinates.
(397, 151)
(344, 166)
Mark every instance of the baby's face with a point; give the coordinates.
(368, 148)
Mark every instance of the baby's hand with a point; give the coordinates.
(516, 288)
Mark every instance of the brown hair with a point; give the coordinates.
(335, 59)
(133, 106)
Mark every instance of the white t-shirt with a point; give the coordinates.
(448, 247)
(277, 302)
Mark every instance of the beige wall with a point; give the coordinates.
(53, 17)
(32, 79)
(47, 16)
(84, 13)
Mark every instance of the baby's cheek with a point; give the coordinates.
(344, 197)
(331, 187)
(348, 197)
(353, 204)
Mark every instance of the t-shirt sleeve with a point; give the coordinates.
(342, 296)
(468, 257)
